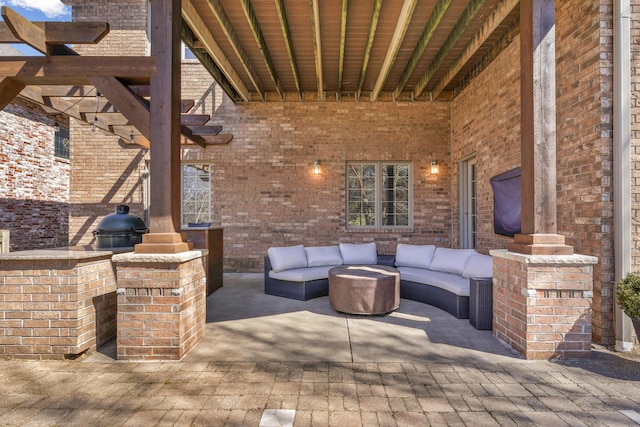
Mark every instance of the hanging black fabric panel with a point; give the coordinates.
(506, 202)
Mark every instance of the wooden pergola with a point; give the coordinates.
(299, 50)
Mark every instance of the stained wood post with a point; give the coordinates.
(538, 131)
(164, 226)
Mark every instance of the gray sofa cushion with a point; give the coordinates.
(318, 256)
(363, 253)
(287, 257)
(450, 260)
(302, 274)
(419, 256)
(478, 265)
(453, 283)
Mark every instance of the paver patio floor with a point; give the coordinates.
(271, 361)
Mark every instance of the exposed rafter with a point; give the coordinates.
(408, 8)
(221, 16)
(429, 29)
(262, 45)
(317, 46)
(9, 89)
(200, 30)
(367, 52)
(469, 13)
(284, 25)
(62, 32)
(343, 37)
(501, 11)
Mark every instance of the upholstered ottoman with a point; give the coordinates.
(364, 289)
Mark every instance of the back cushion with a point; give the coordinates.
(319, 256)
(286, 258)
(418, 256)
(450, 260)
(365, 253)
(478, 265)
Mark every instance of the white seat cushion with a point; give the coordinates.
(361, 254)
(318, 256)
(287, 257)
(478, 265)
(419, 256)
(450, 260)
(453, 283)
(302, 274)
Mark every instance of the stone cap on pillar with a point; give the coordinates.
(540, 244)
(162, 243)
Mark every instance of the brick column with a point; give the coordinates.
(542, 303)
(161, 304)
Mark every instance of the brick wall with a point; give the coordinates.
(583, 141)
(264, 193)
(35, 195)
(55, 308)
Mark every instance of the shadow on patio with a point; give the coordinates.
(244, 324)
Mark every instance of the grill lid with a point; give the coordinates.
(121, 221)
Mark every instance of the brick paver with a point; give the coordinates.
(584, 392)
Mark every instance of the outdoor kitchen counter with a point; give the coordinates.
(57, 303)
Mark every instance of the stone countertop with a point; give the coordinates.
(67, 252)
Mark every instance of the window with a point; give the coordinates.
(379, 195)
(196, 194)
(187, 54)
(468, 204)
(61, 141)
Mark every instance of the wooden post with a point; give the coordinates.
(164, 236)
(538, 132)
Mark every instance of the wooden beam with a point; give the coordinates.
(317, 46)
(408, 8)
(221, 139)
(367, 52)
(194, 119)
(205, 130)
(24, 30)
(78, 91)
(498, 15)
(234, 41)
(252, 19)
(199, 28)
(133, 107)
(343, 37)
(62, 32)
(463, 22)
(428, 32)
(186, 132)
(286, 34)
(9, 89)
(79, 68)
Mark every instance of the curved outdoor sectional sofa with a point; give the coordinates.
(431, 275)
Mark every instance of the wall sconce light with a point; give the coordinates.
(316, 167)
(56, 126)
(435, 169)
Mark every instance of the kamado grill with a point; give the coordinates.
(120, 229)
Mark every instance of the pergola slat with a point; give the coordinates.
(375, 17)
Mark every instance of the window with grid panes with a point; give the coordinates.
(379, 195)
(196, 194)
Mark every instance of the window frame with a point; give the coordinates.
(378, 208)
(197, 165)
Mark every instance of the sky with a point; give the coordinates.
(38, 10)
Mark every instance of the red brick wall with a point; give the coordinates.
(264, 193)
(34, 197)
(485, 121)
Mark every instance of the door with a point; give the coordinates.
(468, 203)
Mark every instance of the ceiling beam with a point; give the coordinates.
(343, 38)
(252, 19)
(408, 8)
(429, 29)
(317, 46)
(34, 69)
(200, 30)
(234, 41)
(24, 30)
(9, 89)
(500, 12)
(286, 34)
(62, 32)
(465, 19)
(367, 52)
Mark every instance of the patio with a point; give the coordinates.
(263, 357)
